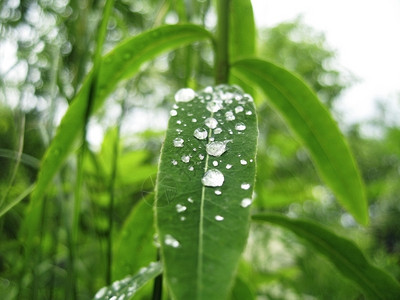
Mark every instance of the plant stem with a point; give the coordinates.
(222, 43)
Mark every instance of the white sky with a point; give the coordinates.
(366, 36)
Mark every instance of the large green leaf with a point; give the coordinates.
(128, 287)
(121, 63)
(203, 193)
(343, 253)
(314, 126)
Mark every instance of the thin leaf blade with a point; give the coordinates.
(314, 127)
(203, 228)
(343, 253)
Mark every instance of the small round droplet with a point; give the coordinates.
(201, 156)
(243, 162)
(191, 168)
(185, 158)
(200, 133)
(174, 162)
(217, 130)
(178, 142)
(240, 126)
(169, 240)
(173, 112)
(179, 122)
(245, 202)
(219, 218)
(245, 186)
(216, 148)
(185, 95)
(213, 178)
(249, 113)
(194, 120)
(229, 116)
(228, 166)
(238, 109)
(190, 200)
(211, 123)
(180, 208)
(215, 163)
(214, 106)
(218, 192)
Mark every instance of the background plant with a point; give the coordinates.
(81, 234)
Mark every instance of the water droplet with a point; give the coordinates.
(240, 126)
(174, 162)
(219, 218)
(200, 133)
(218, 192)
(251, 160)
(179, 131)
(201, 156)
(169, 240)
(173, 112)
(175, 106)
(179, 122)
(190, 200)
(194, 120)
(213, 177)
(249, 113)
(214, 106)
(209, 90)
(216, 148)
(101, 293)
(230, 131)
(228, 166)
(215, 163)
(180, 208)
(245, 202)
(185, 158)
(217, 130)
(229, 116)
(238, 109)
(248, 97)
(178, 142)
(243, 162)
(211, 123)
(191, 168)
(245, 186)
(185, 95)
(182, 218)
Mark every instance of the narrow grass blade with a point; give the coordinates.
(127, 287)
(314, 126)
(343, 253)
(204, 189)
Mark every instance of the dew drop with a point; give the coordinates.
(228, 166)
(201, 156)
(180, 208)
(182, 218)
(191, 168)
(174, 162)
(249, 113)
(245, 202)
(219, 218)
(217, 130)
(215, 163)
(190, 200)
(194, 120)
(178, 142)
(238, 109)
(179, 131)
(229, 116)
(245, 186)
(200, 133)
(240, 126)
(171, 241)
(218, 192)
(214, 106)
(216, 148)
(101, 293)
(213, 177)
(185, 95)
(209, 90)
(211, 123)
(179, 122)
(243, 162)
(185, 158)
(173, 112)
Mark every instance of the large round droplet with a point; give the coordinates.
(211, 123)
(213, 177)
(216, 148)
(200, 133)
(185, 95)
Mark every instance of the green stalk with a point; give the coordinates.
(222, 42)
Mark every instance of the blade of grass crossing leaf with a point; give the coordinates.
(343, 253)
(314, 126)
(204, 187)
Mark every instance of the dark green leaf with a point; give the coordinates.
(203, 229)
(343, 253)
(314, 126)
(128, 286)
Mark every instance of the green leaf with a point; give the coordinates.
(121, 63)
(128, 286)
(203, 229)
(314, 126)
(134, 247)
(343, 253)
(241, 290)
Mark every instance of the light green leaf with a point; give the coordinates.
(314, 126)
(343, 253)
(121, 63)
(203, 229)
(128, 286)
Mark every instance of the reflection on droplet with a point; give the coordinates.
(200, 133)
(178, 142)
(245, 186)
(243, 162)
(211, 123)
(180, 208)
(169, 240)
(245, 202)
(213, 178)
(219, 218)
(216, 148)
(185, 95)
(240, 126)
